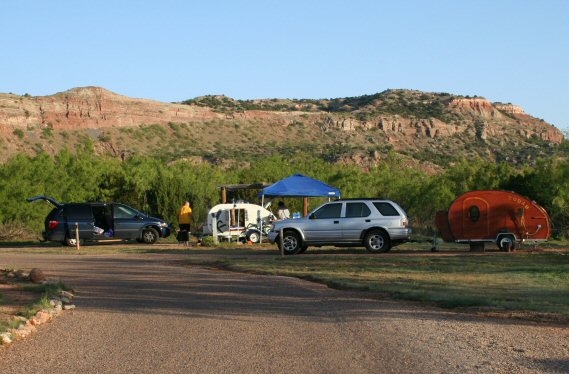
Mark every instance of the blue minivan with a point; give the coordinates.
(96, 221)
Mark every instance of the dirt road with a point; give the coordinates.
(152, 314)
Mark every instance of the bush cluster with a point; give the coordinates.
(158, 187)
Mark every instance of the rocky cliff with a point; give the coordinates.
(413, 123)
(91, 107)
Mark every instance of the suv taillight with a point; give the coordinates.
(52, 224)
(404, 222)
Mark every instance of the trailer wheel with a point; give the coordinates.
(506, 243)
(253, 235)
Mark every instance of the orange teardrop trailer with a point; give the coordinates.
(501, 217)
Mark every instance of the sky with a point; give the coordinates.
(507, 51)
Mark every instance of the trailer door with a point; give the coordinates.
(475, 218)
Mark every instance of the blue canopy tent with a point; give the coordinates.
(299, 185)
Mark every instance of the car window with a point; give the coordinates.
(386, 209)
(122, 211)
(329, 211)
(357, 210)
(77, 211)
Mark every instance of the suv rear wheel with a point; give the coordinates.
(292, 244)
(377, 241)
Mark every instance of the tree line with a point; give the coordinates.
(159, 187)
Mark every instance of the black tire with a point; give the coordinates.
(506, 243)
(377, 241)
(149, 236)
(292, 243)
(253, 235)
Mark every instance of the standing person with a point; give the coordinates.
(184, 220)
(283, 212)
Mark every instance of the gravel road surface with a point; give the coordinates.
(152, 314)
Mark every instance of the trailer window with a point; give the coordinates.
(474, 213)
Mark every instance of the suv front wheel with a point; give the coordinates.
(292, 243)
(377, 241)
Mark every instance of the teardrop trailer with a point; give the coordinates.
(240, 220)
(493, 216)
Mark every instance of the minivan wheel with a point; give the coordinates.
(71, 242)
(292, 244)
(377, 241)
(149, 235)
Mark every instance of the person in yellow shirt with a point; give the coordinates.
(184, 221)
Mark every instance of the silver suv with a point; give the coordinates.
(375, 224)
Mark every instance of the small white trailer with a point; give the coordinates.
(238, 221)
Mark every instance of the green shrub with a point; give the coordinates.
(19, 133)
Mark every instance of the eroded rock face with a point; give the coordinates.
(432, 128)
(95, 111)
(92, 107)
(429, 128)
(473, 104)
(509, 108)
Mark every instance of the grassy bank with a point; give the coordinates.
(525, 281)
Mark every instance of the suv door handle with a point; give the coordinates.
(368, 220)
(335, 222)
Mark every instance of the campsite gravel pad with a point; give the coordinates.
(152, 314)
